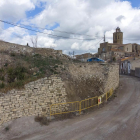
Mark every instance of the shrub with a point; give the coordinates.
(17, 84)
(16, 73)
(11, 75)
(6, 64)
(2, 85)
(114, 59)
(42, 120)
(12, 54)
(1, 70)
(7, 128)
(2, 78)
(56, 66)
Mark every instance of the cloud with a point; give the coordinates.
(119, 18)
(75, 46)
(15, 10)
(87, 17)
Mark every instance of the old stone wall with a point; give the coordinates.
(111, 77)
(37, 96)
(11, 47)
(35, 99)
(23, 49)
(107, 73)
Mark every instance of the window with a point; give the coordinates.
(103, 49)
(127, 49)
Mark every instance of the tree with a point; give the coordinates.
(114, 58)
(34, 41)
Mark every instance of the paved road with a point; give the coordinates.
(119, 119)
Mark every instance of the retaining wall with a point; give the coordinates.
(37, 96)
(35, 99)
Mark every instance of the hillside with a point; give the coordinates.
(22, 64)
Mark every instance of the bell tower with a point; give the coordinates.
(118, 36)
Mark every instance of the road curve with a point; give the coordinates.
(119, 119)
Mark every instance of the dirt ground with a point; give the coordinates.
(119, 119)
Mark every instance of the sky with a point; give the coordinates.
(87, 20)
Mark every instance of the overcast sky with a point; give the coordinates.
(85, 17)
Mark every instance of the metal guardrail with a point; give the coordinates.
(78, 106)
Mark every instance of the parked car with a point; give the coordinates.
(95, 59)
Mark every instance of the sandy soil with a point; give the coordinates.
(119, 119)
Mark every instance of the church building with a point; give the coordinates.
(117, 49)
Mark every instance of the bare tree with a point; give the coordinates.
(34, 41)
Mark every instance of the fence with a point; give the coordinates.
(78, 106)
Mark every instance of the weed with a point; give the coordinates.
(42, 120)
(2, 85)
(1, 70)
(6, 64)
(12, 54)
(2, 78)
(7, 128)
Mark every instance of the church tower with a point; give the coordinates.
(118, 36)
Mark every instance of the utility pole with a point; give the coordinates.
(70, 54)
(73, 54)
(104, 46)
(104, 37)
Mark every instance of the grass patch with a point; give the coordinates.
(27, 68)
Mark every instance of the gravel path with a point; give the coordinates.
(119, 119)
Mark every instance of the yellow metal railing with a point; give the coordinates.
(78, 106)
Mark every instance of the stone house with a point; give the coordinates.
(117, 48)
(84, 57)
(125, 66)
(129, 65)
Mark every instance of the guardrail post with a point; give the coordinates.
(79, 108)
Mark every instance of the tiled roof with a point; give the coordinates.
(126, 58)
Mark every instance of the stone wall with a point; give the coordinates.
(137, 72)
(111, 77)
(135, 63)
(107, 73)
(35, 99)
(37, 96)
(23, 49)
(11, 47)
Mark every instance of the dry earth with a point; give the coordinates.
(119, 119)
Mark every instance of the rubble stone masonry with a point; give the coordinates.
(108, 73)
(36, 97)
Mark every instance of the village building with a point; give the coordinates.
(84, 57)
(117, 49)
(130, 66)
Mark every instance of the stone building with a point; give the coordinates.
(117, 49)
(118, 36)
(130, 66)
(84, 57)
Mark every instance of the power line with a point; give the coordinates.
(41, 32)
(53, 30)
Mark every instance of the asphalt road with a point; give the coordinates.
(119, 119)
